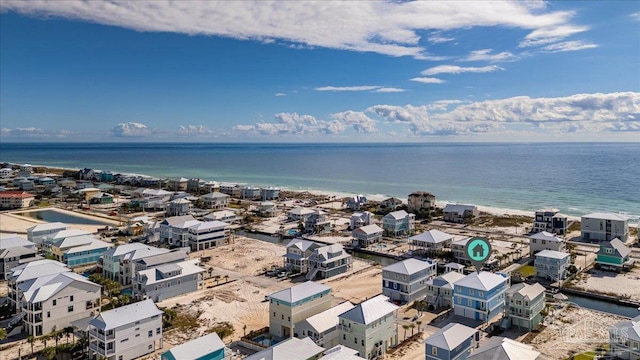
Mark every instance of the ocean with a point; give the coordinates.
(576, 178)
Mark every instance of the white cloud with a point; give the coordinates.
(360, 121)
(486, 55)
(130, 129)
(280, 94)
(442, 105)
(33, 132)
(635, 16)
(454, 69)
(428, 80)
(347, 88)
(191, 130)
(437, 38)
(389, 90)
(551, 34)
(568, 46)
(391, 28)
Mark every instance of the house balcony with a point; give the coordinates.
(99, 348)
(344, 328)
(101, 335)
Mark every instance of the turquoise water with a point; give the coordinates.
(55, 216)
(576, 178)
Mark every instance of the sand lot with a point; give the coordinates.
(11, 223)
(624, 285)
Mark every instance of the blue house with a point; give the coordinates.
(452, 342)
(479, 296)
(208, 347)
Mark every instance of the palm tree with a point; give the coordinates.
(57, 335)
(44, 340)
(210, 272)
(31, 339)
(412, 326)
(67, 332)
(419, 323)
(226, 278)
(405, 327)
(244, 330)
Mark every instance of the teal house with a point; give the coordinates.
(208, 347)
(614, 254)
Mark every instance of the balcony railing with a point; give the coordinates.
(104, 336)
(344, 328)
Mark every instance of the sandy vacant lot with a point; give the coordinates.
(624, 285)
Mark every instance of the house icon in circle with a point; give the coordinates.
(478, 251)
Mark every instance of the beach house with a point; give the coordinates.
(356, 202)
(551, 265)
(179, 207)
(267, 209)
(215, 200)
(431, 241)
(524, 303)
(147, 262)
(269, 193)
(367, 235)
(27, 272)
(15, 200)
(502, 348)
(53, 301)
(14, 251)
(551, 221)
(419, 200)
(127, 332)
(322, 328)
(76, 250)
(459, 213)
(317, 222)
(6, 173)
(398, 223)
(360, 218)
(604, 227)
(624, 339)
(207, 347)
(172, 229)
(297, 256)
(457, 250)
(452, 342)
(168, 280)
(293, 348)
(250, 192)
(299, 214)
(439, 290)
(290, 306)
(406, 280)
(185, 231)
(545, 241)
(480, 296)
(370, 327)
(341, 352)
(389, 204)
(231, 189)
(327, 261)
(614, 255)
(118, 263)
(227, 216)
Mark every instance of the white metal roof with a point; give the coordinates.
(300, 211)
(629, 327)
(432, 237)
(301, 244)
(44, 287)
(621, 249)
(197, 348)
(544, 235)
(408, 267)
(400, 214)
(500, 348)
(484, 281)
(35, 269)
(370, 310)
(552, 254)
(290, 349)
(447, 280)
(299, 292)
(341, 352)
(14, 241)
(124, 315)
(126, 250)
(450, 336)
(329, 318)
(606, 216)
(48, 226)
(188, 267)
(370, 229)
(458, 208)
(526, 291)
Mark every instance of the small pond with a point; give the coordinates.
(57, 216)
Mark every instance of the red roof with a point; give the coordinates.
(15, 194)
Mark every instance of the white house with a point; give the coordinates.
(36, 234)
(398, 223)
(28, 272)
(359, 219)
(552, 265)
(290, 349)
(459, 213)
(624, 339)
(545, 241)
(118, 263)
(322, 328)
(227, 216)
(14, 251)
(127, 332)
(290, 306)
(431, 241)
(406, 281)
(215, 200)
(367, 235)
(604, 227)
(457, 250)
(439, 290)
(168, 280)
(502, 348)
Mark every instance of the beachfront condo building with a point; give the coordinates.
(370, 327)
(545, 241)
(406, 281)
(215, 200)
(359, 219)
(168, 280)
(552, 265)
(293, 348)
(16, 200)
(480, 296)
(551, 221)
(614, 254)
(14, 251)
(53, 301)
(459, 213)
(624, 339)
(290, 306)
(118, 263)
(431, 241)
(503, 348)
(269, 193)
(452, 342)
(439, 290)
(26, 274)
(297, 256)
(524, 303)
(457, 250)
(37, 234)
(419, 200)
(208, 347)
(367, 235)
(327, 261)
(75, 250)
(322, 328)
(604, 227)
(398, 223)
(127, 332)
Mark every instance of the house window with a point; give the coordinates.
(71, 298)
(544, 242)
(344, 336)
(288, 318)
(274, 314)
(179, 282)
(362, 342)
(70, 308)
(150, 333)
(54, 302)
(470, 291)
(158, 331)
(434, 351)
(469, 302)
(355, 341)
(304, 332)
(48, 314)
(480, 293)
(150, 347)
(534, 241)
(282, 316)
(459, 300)
(120, 357)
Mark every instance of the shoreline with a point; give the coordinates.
(493, 210)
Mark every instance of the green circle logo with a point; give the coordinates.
(478, 249)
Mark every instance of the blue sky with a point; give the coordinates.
(320, 71)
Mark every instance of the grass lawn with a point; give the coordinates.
(584, 356)
(527, 270)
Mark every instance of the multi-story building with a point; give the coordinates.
(398, 223)
(604, 227)
(215, 200)
(185, 231)
(502, 348)
(551, 221)
(172, 229)
(440, 289)
(28, 272)
(297, 256)
(6, 173)
(299, 214)
(118, 263)
(360, 218)
(290, 306)
(327, 261)
(227, 216)
(457, 250)
(322, 328)
(545, 241)
(418, 200)
(16, 199)
(267, 209)
(168, 280)
(76, 250)
(480, 296)
(356, 202)
(317, 223)
(367, 235)
(552, 265)
(431, 241)
(406, 281)
(14, 251)
(174, 256)
(293, 348)
(231, 189)
(524, 303)
(127, 332)
(459, 213)
(370, 327)
(452, 342)
(389, 204)
(36, 234)
(179, 207)
(270, 193)
(53, 301)
(250, 192)
(624, 339)
(614, 255)
(208, 347)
